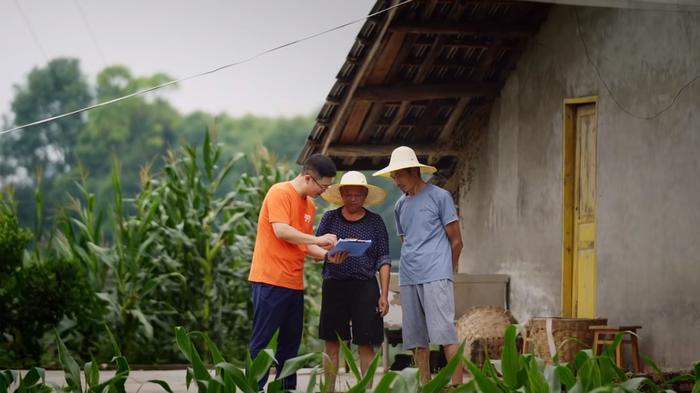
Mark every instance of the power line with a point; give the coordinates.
(605, 84)
(35, 37)
(217, 69)
(91, 33)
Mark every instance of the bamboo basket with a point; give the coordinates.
(482, 328)
(568, 336)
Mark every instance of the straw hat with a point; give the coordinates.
(404, 157)
(353, 178)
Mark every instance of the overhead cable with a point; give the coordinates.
(217, 69)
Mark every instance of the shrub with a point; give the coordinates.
(13, 239)
(35, 299)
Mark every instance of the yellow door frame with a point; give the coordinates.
(568, 196)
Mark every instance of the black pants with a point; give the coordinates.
(351, 300)
(277, 308)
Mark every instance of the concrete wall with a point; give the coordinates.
(648, 228)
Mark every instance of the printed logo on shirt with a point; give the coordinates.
(307, 218)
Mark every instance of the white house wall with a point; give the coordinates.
(648, 201)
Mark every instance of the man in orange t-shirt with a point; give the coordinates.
(285, 237)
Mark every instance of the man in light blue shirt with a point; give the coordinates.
(431, 240)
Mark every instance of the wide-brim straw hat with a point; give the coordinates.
(375, 194)
(404, 157)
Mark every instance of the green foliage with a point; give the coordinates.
(142, 244)
(528, 374)
(35, 294)
(49, 91)
(444, 376)
(228, 377)
(135, 130)
(282, 135)
(179, 252)
(13, 239)
(32, 382)
(74, 384)
(522, 373)
(197, 243)
(34, 300)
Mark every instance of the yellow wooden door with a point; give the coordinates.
(584, 217)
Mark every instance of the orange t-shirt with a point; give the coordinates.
(275, 261)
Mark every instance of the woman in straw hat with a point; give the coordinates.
(350, 290)
(431, 242)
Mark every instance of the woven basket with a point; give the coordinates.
(482, 330)
(567, 336)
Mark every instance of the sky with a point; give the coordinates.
(182, 38)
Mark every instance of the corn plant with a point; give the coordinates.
(406, 380)
(228, 377)
(513, 372)
(209, 237)
(91, 372)
(204, 236)
(176, 254)
(80, 225)
(526, 373)
(123, 274)
(32, 382)
(682, 378)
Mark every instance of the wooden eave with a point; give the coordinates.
(424, 75)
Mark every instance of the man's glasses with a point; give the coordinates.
(323, 187)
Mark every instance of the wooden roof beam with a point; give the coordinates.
(360, 117)
(452, 120)
(342, 110)
(491, 29)
(426, 91)
(509, 2)
(385, 150)
(394, 125)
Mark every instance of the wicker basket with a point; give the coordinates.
(567, 336)
(482, 330)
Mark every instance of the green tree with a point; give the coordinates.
(288, 136)
(42, 153)
(49, 91)
(135, 130)
(283, 137)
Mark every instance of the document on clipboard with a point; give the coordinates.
(354, 246)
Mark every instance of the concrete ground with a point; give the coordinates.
(138, 380)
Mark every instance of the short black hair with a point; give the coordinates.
(320, 164)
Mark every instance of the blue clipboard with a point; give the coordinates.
(355, 247)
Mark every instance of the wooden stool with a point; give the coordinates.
(606, 335)
(526, 342)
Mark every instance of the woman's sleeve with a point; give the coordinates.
(383, 256)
